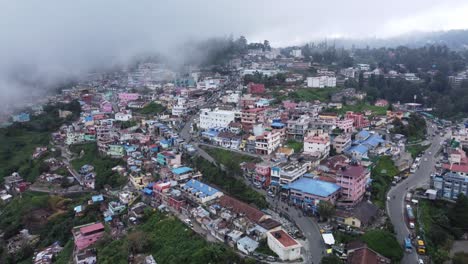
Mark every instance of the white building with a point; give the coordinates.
(123, 116)
(317, 144)
(297, 53)
(74, 138)
(348, 72)
(268, 142)
(321, 82)
(215, 118)
(286, 247)
(180, 108)
(363, 67)
(232, 98)
(286, 173)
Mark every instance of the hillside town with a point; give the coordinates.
(293, 171)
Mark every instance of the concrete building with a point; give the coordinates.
(317, 144)
(286, 247)
(216, 118)
(341, 142)
(268, 142)
(352, 179)
(286, 173)
(307, 192)
(296, 129)
(450, 185)
(321, 82)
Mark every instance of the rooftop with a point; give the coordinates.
(283, 237)
(181, 170)
(315, 187)
(200, 187)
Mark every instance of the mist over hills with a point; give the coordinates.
(453, 39)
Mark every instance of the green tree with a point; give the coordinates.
(331, 260)
(326, 210)
(458, 215)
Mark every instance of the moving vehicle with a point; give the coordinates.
(407, 245)
(410, 216)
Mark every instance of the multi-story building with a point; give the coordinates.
(286, 173)
(345, 124)
(317, 144)
(216, 118)
(321, 82)
(348, 72)
(359, 120)
(116, 151)
(297, 129)
(450, 185)
(268, 142)
(180, 108)
(352, 179)
(249, 117)
(341, 142)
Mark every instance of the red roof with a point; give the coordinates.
(353, 171)
(91, 228)
(283, 237)
(456, 167)
(241, 208)
(366, 255)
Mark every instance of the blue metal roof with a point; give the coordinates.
(181, 170)
(147, 191)
(97, 198)
(373, 141)
(315, 187)
(277, 124)
(200, 187)
(363, 134)
(359, 148)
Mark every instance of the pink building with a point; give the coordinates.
(263, 173)
(129, 96)
(359, 119)
(381, 103)
(345, 124)
(352, 178)
(87, 235)
(106, 107)
(289, 105)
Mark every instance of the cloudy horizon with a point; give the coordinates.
(58, 39)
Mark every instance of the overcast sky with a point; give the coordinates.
(55, 38)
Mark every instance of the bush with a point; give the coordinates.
(384, 243)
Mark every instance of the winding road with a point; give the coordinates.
(396, 206)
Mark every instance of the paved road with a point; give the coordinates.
(314, 248)
(396, 207)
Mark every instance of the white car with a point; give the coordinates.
(420, 261)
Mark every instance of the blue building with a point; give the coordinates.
(308, 192)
